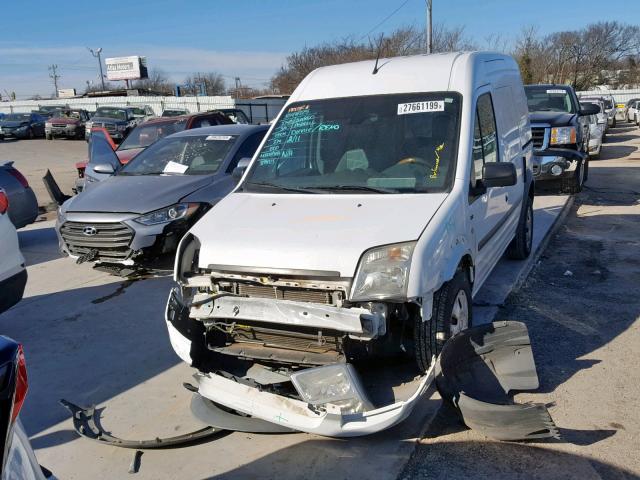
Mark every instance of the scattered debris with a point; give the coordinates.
(568, 273)
(135, 463)
(86, 422)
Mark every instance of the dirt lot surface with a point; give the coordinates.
(34, 157)
(581, 304)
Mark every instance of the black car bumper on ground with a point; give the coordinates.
(12, 290)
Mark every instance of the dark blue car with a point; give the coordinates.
(22, 125)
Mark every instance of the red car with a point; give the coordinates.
(148, 132)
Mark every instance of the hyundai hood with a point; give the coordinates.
(136, 193)
(309, 231)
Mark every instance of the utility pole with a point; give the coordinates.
(429, 26)
(54, 75)
(96, 54)
(238, 87)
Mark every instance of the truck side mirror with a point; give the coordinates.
(238, 172)
(105, 168)
(589, 109)
(499, 174)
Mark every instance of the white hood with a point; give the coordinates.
(309, 231)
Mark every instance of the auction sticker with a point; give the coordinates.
(556, 90)
(421, 107)
(221, 138)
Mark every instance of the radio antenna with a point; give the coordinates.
(375, 67)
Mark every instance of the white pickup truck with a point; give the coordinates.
(317, 295)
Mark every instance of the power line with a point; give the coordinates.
(54, 75)
(385, 19)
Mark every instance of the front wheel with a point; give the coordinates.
(520, 246)
(451, 314)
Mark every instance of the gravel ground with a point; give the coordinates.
(581, 306)
(34, 157)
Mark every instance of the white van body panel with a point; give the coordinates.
(298, 231)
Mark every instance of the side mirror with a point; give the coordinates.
(499, 174)
(243, 163)
(104, 168)
(589, 109)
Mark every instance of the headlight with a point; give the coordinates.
(336, 384)
(22, 127)
(563, 135)
(47, 124)
(168, 214)
(88, 125)
(383, 273)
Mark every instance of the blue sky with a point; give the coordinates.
(245, 38)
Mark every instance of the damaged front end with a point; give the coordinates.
(292, 350)
(283, 350)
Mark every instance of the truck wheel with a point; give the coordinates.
(573, 184)
(30, 134)
(520, 246)
(451, 314)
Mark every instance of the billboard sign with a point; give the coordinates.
(126, 68)
(66, 92)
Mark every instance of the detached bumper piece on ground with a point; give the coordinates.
(476, 371)
(86, 422)
(479, 367)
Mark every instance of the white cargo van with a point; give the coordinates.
(317, 295)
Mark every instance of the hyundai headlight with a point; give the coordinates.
(383, 273)
(168, 214)
(563, 135)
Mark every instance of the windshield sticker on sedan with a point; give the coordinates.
(557, 90)
(222, 138)
(421, 107)
(175, 167)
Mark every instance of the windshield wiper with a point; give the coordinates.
(360, 188)
(278, 187)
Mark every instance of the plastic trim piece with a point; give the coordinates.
(476, 371)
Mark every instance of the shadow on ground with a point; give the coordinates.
(86, 354)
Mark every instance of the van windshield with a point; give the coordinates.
(400, 143)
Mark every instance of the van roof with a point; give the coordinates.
(456, 71)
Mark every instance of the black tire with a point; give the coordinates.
(520, 246)
(430, 336)
(573, 184)
(30, 134)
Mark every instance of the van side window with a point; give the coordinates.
(485, 139)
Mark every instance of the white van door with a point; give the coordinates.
(487, 211)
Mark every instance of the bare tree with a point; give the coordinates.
(402, 41)
(158, 82)
(213, 82)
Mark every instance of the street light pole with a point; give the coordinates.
(96, 54)
(429, 26)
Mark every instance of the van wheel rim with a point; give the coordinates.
(459, 313)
